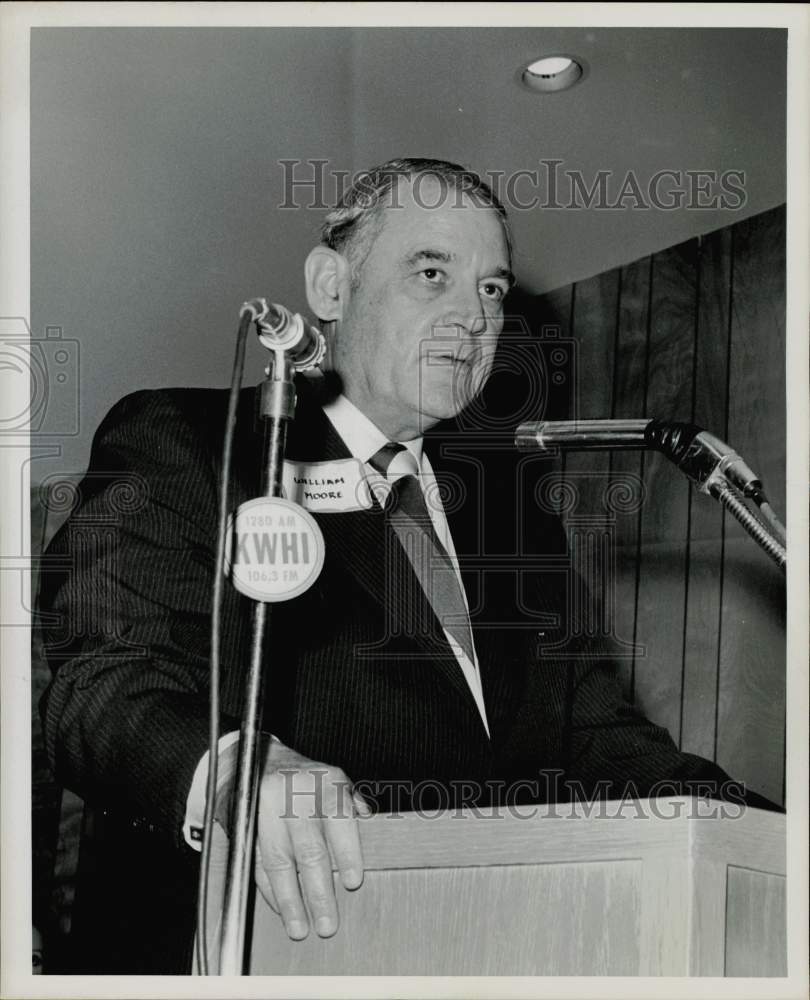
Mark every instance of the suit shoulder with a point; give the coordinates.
(179, 415)
(179, 404)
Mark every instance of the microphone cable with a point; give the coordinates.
(217, 593)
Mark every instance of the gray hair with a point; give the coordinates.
(352, 225)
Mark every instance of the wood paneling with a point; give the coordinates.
(629, 377)
(695, 333)
(664, 528)
(751, 697)
(698, 731)
(591, 524)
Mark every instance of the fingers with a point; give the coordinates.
(343, 836)
(315, 868)
(293, 859)
(263, 882)
(278, 862)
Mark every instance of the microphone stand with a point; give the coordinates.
(295, 346)
(276, 408)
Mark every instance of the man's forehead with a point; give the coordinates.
(425, 193)
(426, 206)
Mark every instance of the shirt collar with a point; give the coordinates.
(362, 437)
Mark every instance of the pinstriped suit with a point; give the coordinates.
(359, 674)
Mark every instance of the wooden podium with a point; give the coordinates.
(665, 887)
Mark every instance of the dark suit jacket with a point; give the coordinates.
(358, 671)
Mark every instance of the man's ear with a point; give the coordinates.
(327, 281)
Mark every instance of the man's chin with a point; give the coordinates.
(444, 398)
(441, 411)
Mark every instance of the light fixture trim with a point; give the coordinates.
(551, 73)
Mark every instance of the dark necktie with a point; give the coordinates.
(408, 514)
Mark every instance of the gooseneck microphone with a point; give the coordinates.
(281, 330)
(710, 463)
(700, 455)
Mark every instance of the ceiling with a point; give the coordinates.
(651, 100)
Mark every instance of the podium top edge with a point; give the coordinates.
(576, 832)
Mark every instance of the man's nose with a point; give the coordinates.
(468, 313)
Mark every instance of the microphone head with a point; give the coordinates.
(281, 330)
(548, 436)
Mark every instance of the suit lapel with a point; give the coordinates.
(363, 544)
(503, 653)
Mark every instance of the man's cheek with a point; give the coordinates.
(482, 370)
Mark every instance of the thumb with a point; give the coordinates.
(360, 804)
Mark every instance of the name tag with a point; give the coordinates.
(327, 487)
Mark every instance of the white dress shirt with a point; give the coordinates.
(363, 439)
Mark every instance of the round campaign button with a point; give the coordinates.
(276, 549)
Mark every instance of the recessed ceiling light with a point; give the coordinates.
(552, 73)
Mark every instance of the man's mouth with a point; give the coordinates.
(451, 358)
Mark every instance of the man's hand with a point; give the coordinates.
(306, 811)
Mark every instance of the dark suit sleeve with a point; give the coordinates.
(612, 752)
(126, 715)
(609, 749)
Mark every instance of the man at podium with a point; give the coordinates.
(436, 663)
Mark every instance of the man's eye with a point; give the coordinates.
(493, 291)
(432, 274)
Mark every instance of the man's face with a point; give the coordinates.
(418, 335)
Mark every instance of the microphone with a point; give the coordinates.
(281, 330)
(593, 435)
(710, 463)
(704, 458)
